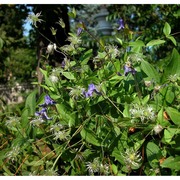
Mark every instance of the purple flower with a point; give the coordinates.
(91, 88)
(79, 31)
(128, 70)
(121, 24)
(48, 101)
(43, 114)
(63, 64)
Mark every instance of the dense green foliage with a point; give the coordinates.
(115, 112)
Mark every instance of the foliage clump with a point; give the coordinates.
(109, 113)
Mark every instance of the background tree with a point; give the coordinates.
(51, 15)
(17, 59)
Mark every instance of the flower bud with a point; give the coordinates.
(157, 129)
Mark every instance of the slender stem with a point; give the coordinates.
(113, 104)
(21, 164)
(77, 131)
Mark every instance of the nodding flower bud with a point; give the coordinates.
(79, 31)
(51, 48)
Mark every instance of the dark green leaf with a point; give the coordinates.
(153, 154)
(85, 57)
(174, 115)
(90, 137)
(67, 116)
(173, 67)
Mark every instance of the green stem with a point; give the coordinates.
(113, 104)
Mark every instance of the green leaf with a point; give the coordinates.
(174, 114)
(172, 163)
(138, 144)
(169, 133)
(167, 29)
(172, 39)
(69, 75)
(153, 154)
(24, 117)
(137, 43)
(155, 42)
(118, 156)
(150, 71)
(1, 43)
(73, 13)
(174, 65)
(145, 99)
(119, 40)
(115, 79)
(114, 169)
(170, 95)
(7, 171)
(34, 163)
(30, 103)
(90, 137)
(85, 57)
(67, 116)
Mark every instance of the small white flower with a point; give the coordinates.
(132, 158)
(53, 78)
(12, 155)
(173, 78)
(97, 167)
(147, 83)
(157, 129)
(34, 18)
(12, 122)
(37, 122)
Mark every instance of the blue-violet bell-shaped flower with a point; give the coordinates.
(128, 70)
(48, 101)
(121, 24)
(91, 88)
(43, 114)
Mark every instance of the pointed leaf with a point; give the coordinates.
(174, 65)
(150, 71)
(90, 137)
(153, 154)
(167, 29)
(172, 39)
(30, 103)
(174, 114)
(172, 163)
(69, 75)
(155, 42)
(137, 43)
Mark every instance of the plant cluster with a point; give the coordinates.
(109, 113)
